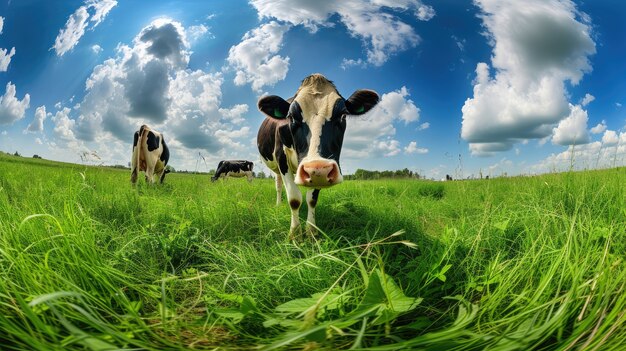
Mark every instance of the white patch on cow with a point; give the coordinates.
(292, 159)
(271, 164)
(293, 193)
(317, 98)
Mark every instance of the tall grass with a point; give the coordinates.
(88, 262)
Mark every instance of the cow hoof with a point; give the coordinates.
(295, 233)
(311, 231)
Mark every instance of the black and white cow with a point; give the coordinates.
(238, 168)
(300, 140)
(150, 155)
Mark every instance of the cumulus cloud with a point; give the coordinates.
(93, 11)
(63, 125)
(424, 126)
(610, 138)
(537, 47)
(587, 99)
(96, 49)
(372, 134)
(149, 82)
(383, 34)
(5, 59)
(255, 59)
(36, 126)
(11, 108)
(413, 149)
(599, 128)
(573, 129)
(592, 155)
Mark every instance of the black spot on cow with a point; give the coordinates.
(314, 196)
(152, 141)
(295, 204)
(135, 139)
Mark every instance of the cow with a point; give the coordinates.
(150, 155)
(233, 168)
(300, 140)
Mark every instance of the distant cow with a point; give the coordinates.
(238, 168)
(448, 177)
(150, 155)
(300, 140)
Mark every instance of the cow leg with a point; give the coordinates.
(133, 176)
(279, 189)
(250, 176)
(311, 200)
(294, 196)
(150, 174)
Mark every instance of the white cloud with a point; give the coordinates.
(11, 108)
(587, 99)
(397, 103)
(5, 59)
(77, 23)
(347, 63)
(38, 141)
(573, 129)
(36, 126)
(386, 147)
(618, 105)
(63, 125)
(578, 157)
(150, 82)
(610, 138)
(96, 49)
(413, 149)
(382, 33)
(372, 135)
(424, 126)
(255, 59)
(234, 114)
(599, 128)
(194, 33)
(537, 46)
(425, 13)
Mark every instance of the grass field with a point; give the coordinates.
(89, 263)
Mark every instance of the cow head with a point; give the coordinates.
(313, 136)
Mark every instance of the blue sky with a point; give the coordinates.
(467, 87)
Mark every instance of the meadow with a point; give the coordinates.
(526, 263)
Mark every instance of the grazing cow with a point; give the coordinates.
(236, 169)
(300, 140)
(150, 155)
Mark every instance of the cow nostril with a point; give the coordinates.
(304, 174)
(333, 174)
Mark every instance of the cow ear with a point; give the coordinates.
(361, 101)
(274, 106)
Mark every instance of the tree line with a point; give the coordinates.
(364, 174)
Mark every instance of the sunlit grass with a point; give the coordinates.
(88, 262)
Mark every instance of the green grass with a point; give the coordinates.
(89, 263)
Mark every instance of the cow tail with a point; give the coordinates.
(140, 142)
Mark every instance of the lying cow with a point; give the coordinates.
(300, 140)
(236, 169)
(150, 155)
